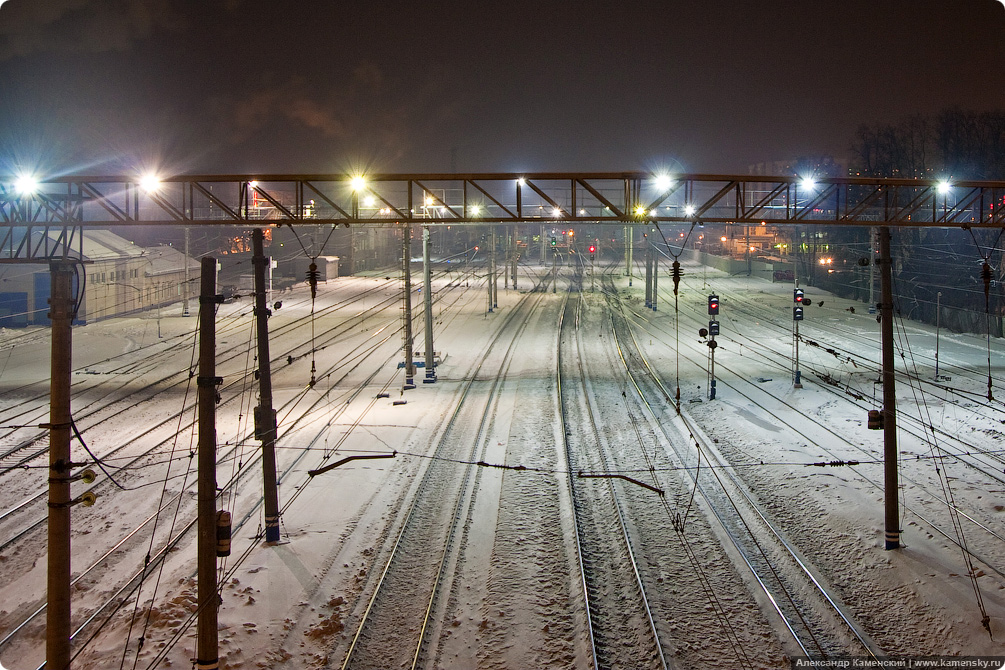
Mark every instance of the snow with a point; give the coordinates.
(513, 600)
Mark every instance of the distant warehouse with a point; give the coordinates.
(118, 278)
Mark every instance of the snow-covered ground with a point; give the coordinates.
(511, 597)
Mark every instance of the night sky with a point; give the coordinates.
(712, 86)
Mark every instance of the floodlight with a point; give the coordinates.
(150, 182)
(663, 182)
(26, 185)
(944, 187)
(358, 183)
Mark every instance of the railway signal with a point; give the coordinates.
(593, 250)
(801, 301)
(713, 330)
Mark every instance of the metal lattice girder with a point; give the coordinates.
(624, 197)
(40, 243)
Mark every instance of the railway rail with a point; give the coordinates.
(616, 603)
(392, 627)
(817, 621)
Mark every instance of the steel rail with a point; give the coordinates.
(428, 474)
(236, 350)
(624, 535)
(248, 467)
(863, 639)
(800, 430)
(577, 535)
(237, 383)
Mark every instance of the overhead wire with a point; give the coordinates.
(174, 518)
(704, 581)
(943, 477)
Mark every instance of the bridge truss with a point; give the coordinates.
(28, 219)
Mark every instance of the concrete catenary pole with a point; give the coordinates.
(406, 316)
(508, 250)
(516, 255)
(890, 475)
(495, 270)
(649, 276)
(187, 288)
(656, 275)
(629, 240)
(57, 616)
(554, 273)
(872, 270)
(265, 416)
(207, 640)
(544, 248)
(491, 264)
(427, 303)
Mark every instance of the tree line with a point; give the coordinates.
(954, 144)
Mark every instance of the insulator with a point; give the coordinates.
(312, 279)
(676, 276)
(223, 531)
(986, 277)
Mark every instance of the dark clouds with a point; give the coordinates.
(80, 26)
(399, 86)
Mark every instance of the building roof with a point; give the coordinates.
(168, 260)
(96, 245)
(106, 245)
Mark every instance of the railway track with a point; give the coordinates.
(841, 446)
(118, 392)
(816, 619)
(305, 416)
(393, 627)
(616, 603)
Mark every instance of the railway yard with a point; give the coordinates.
(565, 495)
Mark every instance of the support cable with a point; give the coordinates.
(97, 461)
(153, 533)
(677, 274)
(986, 278)
(938, 454)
